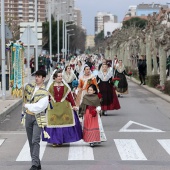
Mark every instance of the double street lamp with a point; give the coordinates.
(69, 35)
(65, 44)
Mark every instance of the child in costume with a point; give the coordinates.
(93, 132)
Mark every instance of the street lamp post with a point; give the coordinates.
(50, 30)
(3, 77)
(36, 45)
(66, 41)
(58, 32)
(64, 34)
(69, 42)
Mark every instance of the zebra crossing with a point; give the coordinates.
(127, 149)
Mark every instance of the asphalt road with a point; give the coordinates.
(138, 138)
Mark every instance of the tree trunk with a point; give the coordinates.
(154, 54)
(148, 57)
(162, 64)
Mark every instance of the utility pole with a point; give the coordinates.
(3, 78)
(36, 46)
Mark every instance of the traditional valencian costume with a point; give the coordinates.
(63, 124)
(35, 102)
(68, 78)
(92, 126)
(120, 72)
(72, 63)
(109, 98)
(84, 83)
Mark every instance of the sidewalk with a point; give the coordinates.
(11, 102)
(153, 90)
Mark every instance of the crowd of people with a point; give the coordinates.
(85, 88)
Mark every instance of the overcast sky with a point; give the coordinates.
(89, 9)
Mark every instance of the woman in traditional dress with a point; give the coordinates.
(122, 87)
(72, 63)
(69, 76)
(78, 68)
(86, 78)
(92, 126)
(63, 124)
(109, 98)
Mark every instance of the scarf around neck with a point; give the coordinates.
(89, 100)
(120, 69)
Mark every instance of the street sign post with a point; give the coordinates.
(28, 38)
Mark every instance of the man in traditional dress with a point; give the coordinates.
(35, 102)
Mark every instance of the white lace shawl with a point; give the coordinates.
(105, 77)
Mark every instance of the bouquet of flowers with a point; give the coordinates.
(115, 81)
(130, 73)
(100, 97)
(93, 112)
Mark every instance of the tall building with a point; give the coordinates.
(64, 10)
(101, 18)
(78, 17)
(90, 41)
(132, 11)
(146, 9)
(24, 10)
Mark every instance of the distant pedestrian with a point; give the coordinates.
(48, 64)
(32, 65)
(142, 70)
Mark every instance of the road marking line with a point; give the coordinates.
(24, 155)
(129, 150)
(150, 129)
(1, 141)
(80, 151)
(165, 143)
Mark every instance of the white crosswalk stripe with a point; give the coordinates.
(165, 143)
(80, 151)
(1, 141)
(24, 155)
(129, 150)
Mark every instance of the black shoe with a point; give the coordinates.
(34, 168)
(92, 144)
(105, 113)
(141, 83)
(39, 167)
(144, 83)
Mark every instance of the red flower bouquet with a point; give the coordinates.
(116, 79)
(93, 112)
(130, 73)
(99, 95)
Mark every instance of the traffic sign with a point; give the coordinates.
(32, 39)
(8, 33)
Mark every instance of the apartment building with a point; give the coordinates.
(64, 10)
(101, 18)
(78, 17)
(24, 10)
(146, 9)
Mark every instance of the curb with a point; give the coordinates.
(152, 90)
(9, 109)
